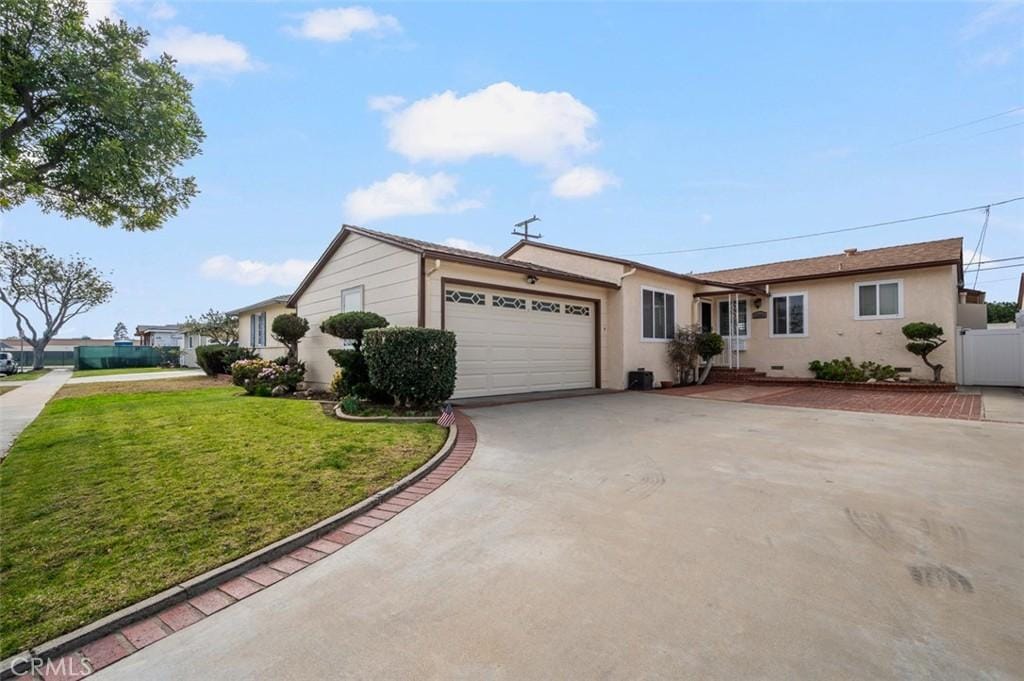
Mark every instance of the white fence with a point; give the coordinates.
(990, 357)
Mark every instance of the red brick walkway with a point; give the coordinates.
(940, 405)
(120, 644)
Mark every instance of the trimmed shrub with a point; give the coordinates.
(261, 376)
(288, 330)
(846, 371)
(352, 325)
(217, 359)
(416, 366)
(709, 344)
(925, 338)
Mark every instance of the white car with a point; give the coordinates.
(8, 365)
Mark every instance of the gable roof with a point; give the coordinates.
(906, 256)
(432, 250)
(276, 300)
(605, 258)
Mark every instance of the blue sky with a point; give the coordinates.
(627, 128)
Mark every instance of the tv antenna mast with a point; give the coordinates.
(525, 226)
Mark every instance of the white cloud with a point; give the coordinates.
(340, 24)
(705, 218)
(582, 181)
(466, 245)
(162, 11)
(203, 51)
(970, 257)
(385, 103)
(992, 36)
(500, 120)
(97, 10)
(254, 272)
(993, 16)
(406, 194)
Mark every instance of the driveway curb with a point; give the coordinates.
(108, 634)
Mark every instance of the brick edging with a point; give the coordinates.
(130, 629)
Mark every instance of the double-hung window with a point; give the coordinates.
(878, 299)
(351, 301)
(789, 314)
(724, 319)
(659, 314)
(258, 330)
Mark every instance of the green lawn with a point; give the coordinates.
(130, 370)
(109, 497)
(25, 375)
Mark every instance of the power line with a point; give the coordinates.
(997, 281)
(1016, 257)
(1001, 267)
(960, 125)
(988, 132)
(981, 244)
(831, 231)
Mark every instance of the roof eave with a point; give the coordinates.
(843, 273)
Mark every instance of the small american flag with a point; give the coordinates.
(447, 417)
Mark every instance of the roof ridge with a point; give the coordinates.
(828, 255)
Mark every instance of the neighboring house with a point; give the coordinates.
(189, 343)
(55, 344)
(543, 317)
(159, 335)
(255, 322)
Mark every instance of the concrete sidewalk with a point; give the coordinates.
(1003, 404)
(121, 378)
(20, 407)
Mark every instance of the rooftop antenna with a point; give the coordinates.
(525, 226)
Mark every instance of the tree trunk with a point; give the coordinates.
(936, 369)
(704, 374)
(38, 356)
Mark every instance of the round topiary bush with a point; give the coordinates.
(352, 325)
(288, 329)
(416, 366)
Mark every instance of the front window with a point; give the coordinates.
(724, 318)
(659, 314)
(879, 299)
(352, 299)
(789, 316)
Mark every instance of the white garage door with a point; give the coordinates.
(510, 342)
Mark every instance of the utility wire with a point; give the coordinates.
(961, 125)
(989, 132)
(831, 231)
(981, 244)
(1001, 267)
(1016, 257)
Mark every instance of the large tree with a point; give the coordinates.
(88, 126)
(220, 327)
(59, 290)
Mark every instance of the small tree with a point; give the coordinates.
(120, 332)
(1001, 312)
(288, 330)
(350, 326)
(682, 352)
(709, 345)
(88, 126)
(220, 327)
(925, 338)
(58, 289)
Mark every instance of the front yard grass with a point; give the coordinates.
(6, 388)
(25, 375)
(80, 373)
(110, 497)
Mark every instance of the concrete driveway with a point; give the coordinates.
(636, 536)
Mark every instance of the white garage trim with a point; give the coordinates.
(565, 299)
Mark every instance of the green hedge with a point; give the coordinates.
(217, 359)
(416, 366)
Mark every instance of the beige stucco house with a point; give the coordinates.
(544, 317)
(255, 322)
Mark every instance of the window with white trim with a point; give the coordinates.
(789, 314)
(258, 330)
(659, 314)
(878, 299)
(351, 301)
(742, 319)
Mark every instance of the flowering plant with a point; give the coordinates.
(261, 376)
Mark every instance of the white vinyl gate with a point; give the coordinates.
(991, 357)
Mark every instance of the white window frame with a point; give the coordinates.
(253, 333)
(771, 314)
(877, 284)
(716, 311)
(675, 314)
(351, 344)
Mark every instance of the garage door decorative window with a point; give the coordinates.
(468, 297)
(581, 310)
(509, 302)
(546, 306)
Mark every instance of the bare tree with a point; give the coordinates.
(220, 327)
(58, 289)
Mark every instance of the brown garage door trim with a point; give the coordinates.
(533, 292)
